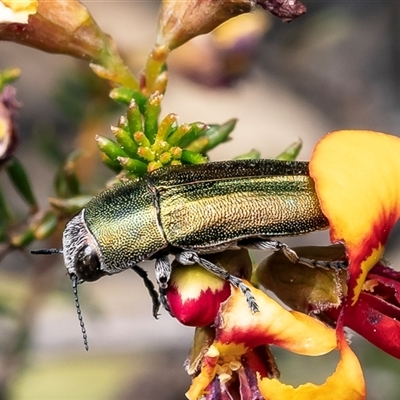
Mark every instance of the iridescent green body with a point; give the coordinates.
(205, 208)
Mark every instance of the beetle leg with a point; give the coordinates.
(151, 289)
(275, 245)
(164, 302)
(163, 271)
(190, 258)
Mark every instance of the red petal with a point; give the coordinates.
(383, 330)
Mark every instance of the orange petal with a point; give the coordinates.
(346, 383)
(354, 174)
(274, 324)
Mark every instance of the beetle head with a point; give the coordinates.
(81, 259)
(82, 256)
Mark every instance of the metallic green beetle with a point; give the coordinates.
(192, 210)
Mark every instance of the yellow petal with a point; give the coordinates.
(346, 383)
(13, 11)
(273, 324)
(355, 174)
(207, 373)
(20, 5)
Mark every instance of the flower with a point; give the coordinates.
(8, 129)
(180, 21)
(231, 357)
(66, 27)
(239, 352)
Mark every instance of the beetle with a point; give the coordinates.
(188, 211)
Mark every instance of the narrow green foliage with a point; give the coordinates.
(198, 145)
(41, 227)
(123, 138)
(175, 137)
(20, 180)
(193, 158)
(153, 109)
(134, 167)
(167, 126)
(5, 217)
(5, 214)
(125, 95)
(218, 134)
(66, 180)
(109, 148)
(123, 123)
(134, 117)
(251, 155)
(46, 226)
(186, 134)
(197, 129)
(291, 152)
(112, 164)
(23, 239)
(8, 76)
(141, 139)
(69, 206)
(213, 136)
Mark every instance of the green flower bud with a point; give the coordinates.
(109, 148)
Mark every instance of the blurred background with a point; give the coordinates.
(336, 67)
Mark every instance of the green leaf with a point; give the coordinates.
(21, 182)
(70, 206)
(189, 157)
(66, 181)
(153, 109)
(291, 152)
(110, 148)
(8, 75)
(133, 166)
(46, 226)
(128, 145)
(125, 96)
(251, 155)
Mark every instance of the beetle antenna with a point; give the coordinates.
(47, 251)
(74, 279)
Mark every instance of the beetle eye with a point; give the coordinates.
(87, 266)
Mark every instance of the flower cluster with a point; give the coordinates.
(143, 144)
